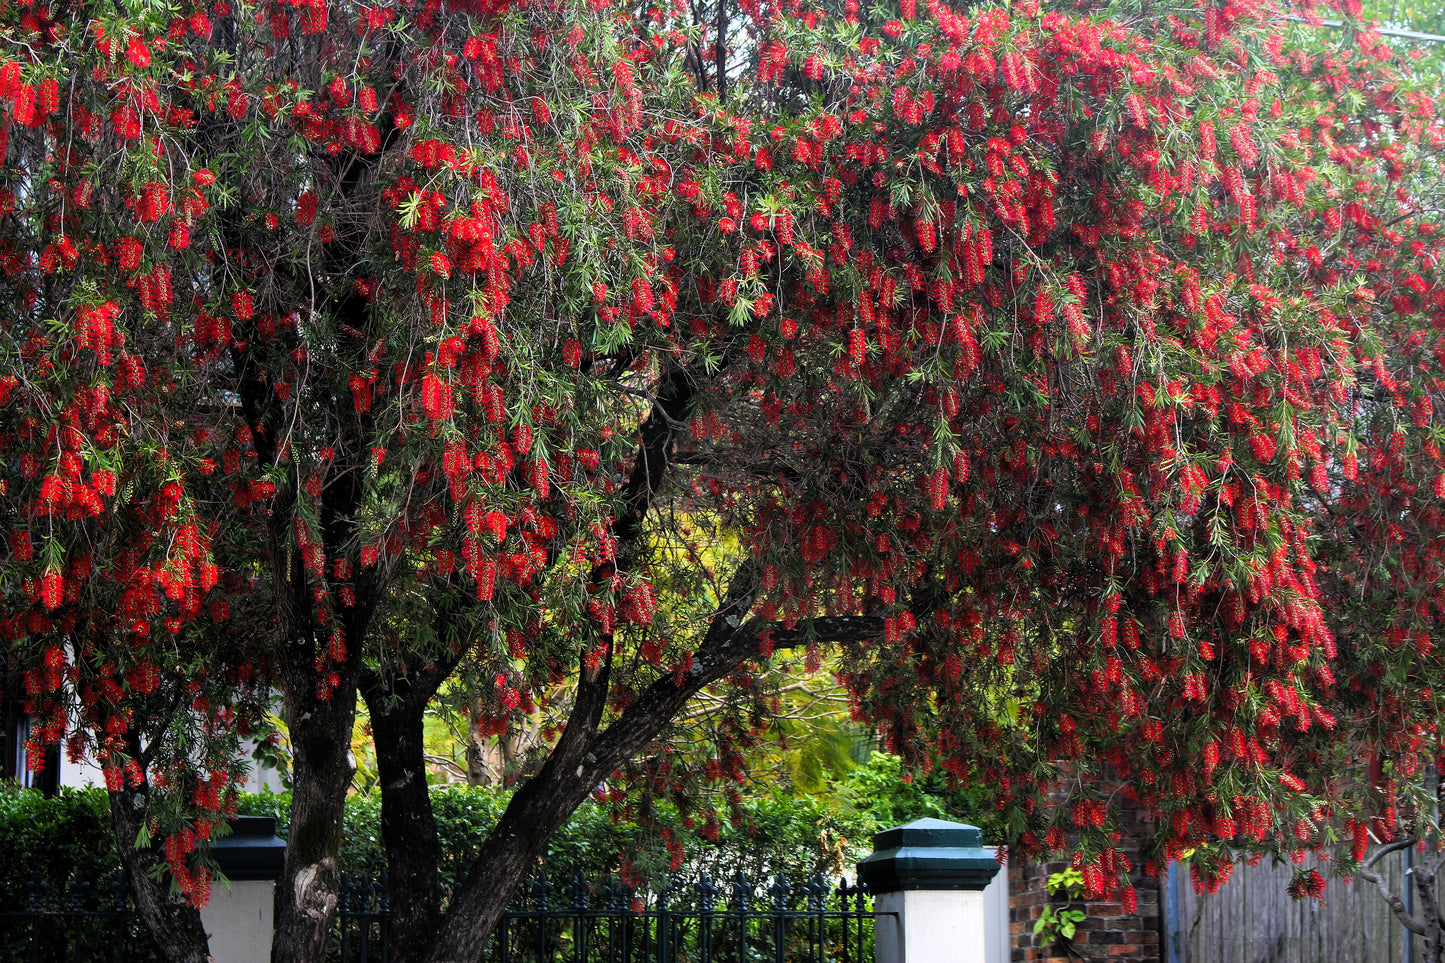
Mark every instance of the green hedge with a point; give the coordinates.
(779, 835)
(51, 843)
(55, 840)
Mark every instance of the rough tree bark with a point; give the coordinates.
(397, 706)
(307, 893)
(175, 924)
(319, 717)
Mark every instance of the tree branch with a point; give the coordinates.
(1396, 904)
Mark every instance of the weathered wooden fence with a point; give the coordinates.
(1252, 919)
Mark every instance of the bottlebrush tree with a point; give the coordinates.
(1069, 373)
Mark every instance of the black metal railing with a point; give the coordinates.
(85, 922)
(684, 922)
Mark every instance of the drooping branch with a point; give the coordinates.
(1393, 900)
(176, 926)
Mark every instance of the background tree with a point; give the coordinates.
(1070, 374)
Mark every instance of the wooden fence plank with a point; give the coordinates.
(1252, 919)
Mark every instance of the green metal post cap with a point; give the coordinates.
(252, 851)
(928, 854)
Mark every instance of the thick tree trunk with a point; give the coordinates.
(581, 760)
(307, 893)
(175, 925)
(408, 827)
(537, 811)
(584, 757)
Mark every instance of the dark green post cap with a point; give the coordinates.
(928, 854)
(252, 851)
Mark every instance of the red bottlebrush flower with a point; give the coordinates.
(126, 252)
(486, 576)
(1360, 841)
(52, 589)
(241, 305)
(757, 349)
(572, 353)
(1043, 309)
(24, 106)
(441, 265)
(537, 476)
(360, 394)
(306, 209)
(155, 202)
(137, 53)
(436, 397)
(1307, 884)
(47, 97)
(857, 346)
(1243, 144)
(641, 296)
(938, 489)
(179, 236)
(496, 523)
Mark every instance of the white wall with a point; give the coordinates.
(995, 916)
(238, 921)
(86, 772)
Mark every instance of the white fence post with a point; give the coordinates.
(927, 879)
(238, 919)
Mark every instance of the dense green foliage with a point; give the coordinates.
(48, 842)
(58, 840)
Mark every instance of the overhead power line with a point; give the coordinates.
(1382, 31)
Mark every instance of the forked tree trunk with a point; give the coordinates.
(535, 813)
(408, 826)
(1428, 924)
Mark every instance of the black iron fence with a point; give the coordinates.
(742, 921)
(83, 923)
(697, 921)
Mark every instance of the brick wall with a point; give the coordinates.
(1107, 934)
